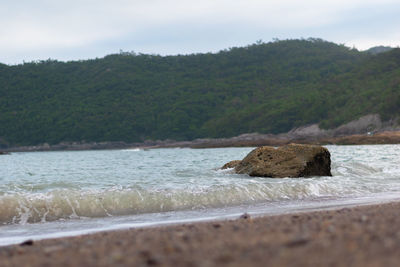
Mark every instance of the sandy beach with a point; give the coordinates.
(359, 236)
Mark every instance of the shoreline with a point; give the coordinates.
(244, 140)
(50, 229)
(367, 235)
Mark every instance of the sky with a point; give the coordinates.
(83, 29)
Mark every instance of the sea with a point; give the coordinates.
(66, 193)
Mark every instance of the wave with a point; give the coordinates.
(222, 188)
(71, 203)
(132, 150)
(354, 169)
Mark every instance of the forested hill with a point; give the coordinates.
(264, 87)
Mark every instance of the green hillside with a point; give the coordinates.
(264, 87)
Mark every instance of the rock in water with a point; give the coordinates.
(231, 164)
(293, 160)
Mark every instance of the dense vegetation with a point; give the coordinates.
(264, 87)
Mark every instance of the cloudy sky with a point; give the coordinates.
(81, 29)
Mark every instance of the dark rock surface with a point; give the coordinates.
(293, 160)
(231, 164)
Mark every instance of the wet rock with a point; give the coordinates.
(293, 160)
(152, 261)
(297, 242)
(231, 164)
(245, 216)
(28, 242)
(217, 225)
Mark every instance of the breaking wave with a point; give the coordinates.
(71, 203)
(102, 184)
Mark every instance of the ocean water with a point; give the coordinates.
(52, 194)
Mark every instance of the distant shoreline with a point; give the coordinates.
(244, 140)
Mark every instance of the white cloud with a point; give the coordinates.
(31, 28)
(365, 43)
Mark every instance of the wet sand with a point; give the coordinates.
(360, 236)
